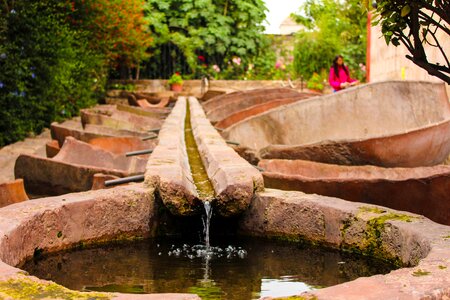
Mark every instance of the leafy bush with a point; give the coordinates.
(47, 71)
(315, 82)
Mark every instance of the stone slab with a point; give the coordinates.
(393, 123)
(234, 180)
(419, 244)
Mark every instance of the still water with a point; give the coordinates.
(241, 268)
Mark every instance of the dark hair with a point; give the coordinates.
(335, 65)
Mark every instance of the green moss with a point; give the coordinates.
(204, 187)
(371, 209)
(420, 272)
(447, 237)
(372, 244)
(59, 234)
(25, 288)
(442, 267)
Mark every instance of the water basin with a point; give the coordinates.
(240, 268)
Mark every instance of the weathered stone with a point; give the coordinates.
(52, 148)
(145, 101)
(421, 190)
(60, 131)
(211, 94)
(12, 192)
(253, 111)
(408, 239)
(168, 170)
(109, 116)
(72, 169)
(234, 180)
(405, 124)
(221, 107)
(52, 224)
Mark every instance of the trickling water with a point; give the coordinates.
(206, 222)
(202, 183)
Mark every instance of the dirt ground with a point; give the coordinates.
(8, 154)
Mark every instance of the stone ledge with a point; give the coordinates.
(168, 170)
(410, 240)
(57, 223)
(233, 178)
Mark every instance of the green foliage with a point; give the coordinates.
(47, 70)
(117, 29)
(175, 79)
(315, 82)
(332, 27)
(218, 31)
(414, 24)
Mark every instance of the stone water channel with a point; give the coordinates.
(169, 199)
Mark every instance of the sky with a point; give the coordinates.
(278, 10)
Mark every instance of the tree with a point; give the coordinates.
(416, 23)
(47, 72)
(205, 31)
(118, 30)
(332, 27)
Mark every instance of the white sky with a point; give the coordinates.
(278, 10)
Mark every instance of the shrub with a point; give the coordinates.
(47, 71)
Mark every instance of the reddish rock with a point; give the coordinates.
(144, 101)
(211, 94)
(412, 240)
(109, 116)
(154, 112)
(168, 170)
(252, 111)
(52, 148)
(421, 190)
(234, 180)
(249, 99)
(73, 168)
(98, 181)
(73, 128)
(12, 192)
(52, 224)
(274, 93)
(122, 145)
(410, 126)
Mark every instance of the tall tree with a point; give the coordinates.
(213, 31)
(118, 29)
(418, 25)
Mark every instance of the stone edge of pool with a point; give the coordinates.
(129, 212)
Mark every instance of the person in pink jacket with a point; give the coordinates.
(339, 76)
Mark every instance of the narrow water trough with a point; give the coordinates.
(192, 158)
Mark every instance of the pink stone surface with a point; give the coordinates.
(72, 169)
(216, 102)
(57, 223)
(420, 243)
(74, 128)
(421, 190)
(109, 116)
(229, 104)
(234, 180)
(168, 170)
(410, 126)
(12, 192)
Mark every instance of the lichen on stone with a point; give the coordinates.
(23, 288)
(420, 272)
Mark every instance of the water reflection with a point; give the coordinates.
(146, 267)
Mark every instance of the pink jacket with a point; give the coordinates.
(335, 81)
